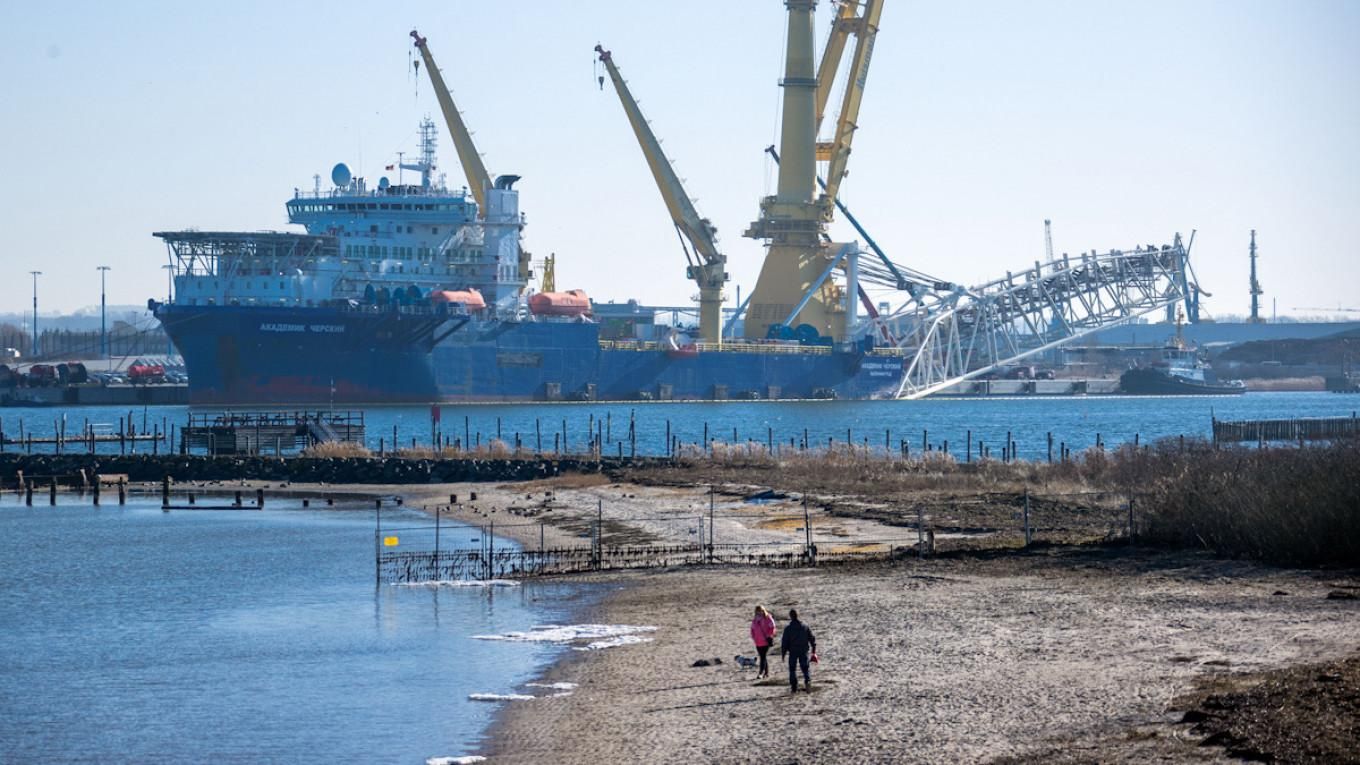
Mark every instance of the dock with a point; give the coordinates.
(268, 432)
(1306, 429)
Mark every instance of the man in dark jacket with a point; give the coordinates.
(795, 643)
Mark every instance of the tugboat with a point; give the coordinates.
(1179, 372)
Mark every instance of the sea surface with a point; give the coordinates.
(1075, 421)
(128, 634)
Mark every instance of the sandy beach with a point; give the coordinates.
(1076, 653)
(1082, 651)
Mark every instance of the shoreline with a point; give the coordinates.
(1080, 649)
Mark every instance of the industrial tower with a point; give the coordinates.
(792, 290)
(1255, 285)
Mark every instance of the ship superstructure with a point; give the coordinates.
(389, 243)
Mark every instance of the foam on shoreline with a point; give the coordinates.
(601, 635)
(501, 697)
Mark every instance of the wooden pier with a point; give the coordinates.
(269, 432)
(86, 436)
(1310, 429)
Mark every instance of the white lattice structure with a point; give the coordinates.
(952, 336)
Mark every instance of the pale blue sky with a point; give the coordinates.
(1123, 122)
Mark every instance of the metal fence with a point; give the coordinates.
(442, 552)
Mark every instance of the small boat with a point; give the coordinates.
(1179, 371)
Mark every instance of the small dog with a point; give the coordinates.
(746, 662)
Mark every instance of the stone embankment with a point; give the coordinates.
(331, 470)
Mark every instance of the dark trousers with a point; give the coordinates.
(797, 660)
(764, 650)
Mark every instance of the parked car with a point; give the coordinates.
(140, 373)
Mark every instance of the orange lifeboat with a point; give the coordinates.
(569, 303)
(469, 298)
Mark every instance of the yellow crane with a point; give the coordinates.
(842, 27)
(707, 265)
(793, 221)
(479, 181)
(865, 29)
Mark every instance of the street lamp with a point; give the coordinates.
(169, 298)
(36, 274)
(103, 308)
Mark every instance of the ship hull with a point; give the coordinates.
(237, 355)
(1155, 382)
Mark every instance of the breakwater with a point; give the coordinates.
(330, 470)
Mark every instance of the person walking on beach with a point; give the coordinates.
(795, 644)
(762, 634)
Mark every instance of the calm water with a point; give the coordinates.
(132, 635)
(1075, 420)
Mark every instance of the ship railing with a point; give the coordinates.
(748, 347)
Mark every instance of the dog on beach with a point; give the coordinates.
(745, 662)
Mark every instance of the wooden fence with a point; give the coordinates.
(1312, 429)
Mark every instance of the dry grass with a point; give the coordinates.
(854, 471)
(337, 449)
(1286, 505)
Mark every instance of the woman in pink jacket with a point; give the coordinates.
(762, 634)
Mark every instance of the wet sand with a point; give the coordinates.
(1075, 651)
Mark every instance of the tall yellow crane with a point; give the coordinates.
(707, 265)
(865, 29)
(479, 180)
(842, 27)
(793, 221)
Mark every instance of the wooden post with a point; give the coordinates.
(165, 491)
(1028, 537)
(1133, 533)
(807, 533)
(920, 531)
(599, 533)
(96, 489)
(122, 491)
(28, 493)
(259, 499)
(52, 492)
(237, 503)
(712, 500)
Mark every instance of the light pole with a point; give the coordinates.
(169, 298)
(103, 309)
(36, 274)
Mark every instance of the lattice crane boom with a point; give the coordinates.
(847, 122)
(708, 266)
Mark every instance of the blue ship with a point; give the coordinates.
(403, 293)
